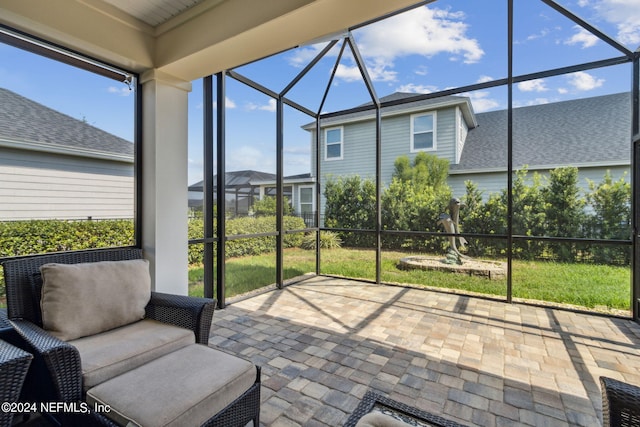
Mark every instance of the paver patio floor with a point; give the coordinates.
(324, 342)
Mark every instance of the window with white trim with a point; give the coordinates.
(423, 132)
(333, 143)
(305, 200)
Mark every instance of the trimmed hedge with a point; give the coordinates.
(43, 236)
(249, 246)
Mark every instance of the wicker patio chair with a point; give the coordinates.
(14, 364)
(56, 372)
(620, 403)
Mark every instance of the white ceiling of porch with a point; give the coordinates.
(154, 12)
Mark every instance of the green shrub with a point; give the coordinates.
(247, 246)
(611, 219)
(267, 206)
(41, 236)
(328, 240)
(29, 237)
(351, 204)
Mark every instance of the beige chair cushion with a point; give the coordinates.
(89, 298)
(183, 388)
(109, 354)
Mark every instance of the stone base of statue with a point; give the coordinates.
(494, 270)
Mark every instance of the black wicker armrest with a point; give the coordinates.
(14, 364)
(54, 359)
(620, 403)
(188, 312)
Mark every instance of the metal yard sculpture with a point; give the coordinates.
(450, 223)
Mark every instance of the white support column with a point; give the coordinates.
(164, 180)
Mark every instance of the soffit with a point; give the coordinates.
(153, 12)
(187, 39)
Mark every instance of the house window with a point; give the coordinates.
(423, 131)
(333, 144)
(305, 204)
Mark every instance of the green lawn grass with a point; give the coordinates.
(585, 285)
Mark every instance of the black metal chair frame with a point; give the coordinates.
(56, 374)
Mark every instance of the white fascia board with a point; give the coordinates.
(64, 150)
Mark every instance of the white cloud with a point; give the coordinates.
(422, 70)
(582, 37)
(543, 33)
(414, 88)
(122, 90)
(348, 73)
(484, 79)
(563, 91)
(422, 31)
(270, 106)
(481, 101)
(584, 81)
(227, 103)
(537, 85)
(624, 14)
(302, 56)
(245, 157)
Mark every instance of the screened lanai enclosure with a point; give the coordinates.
(537, 148)
(488, 150)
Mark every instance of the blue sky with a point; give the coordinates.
(442, 45)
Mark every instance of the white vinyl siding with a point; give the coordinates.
(45, 186)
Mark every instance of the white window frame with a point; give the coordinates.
(341, 143)
(412, 133)
(313, 197)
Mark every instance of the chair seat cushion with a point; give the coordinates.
(106, 355)
(186, 387)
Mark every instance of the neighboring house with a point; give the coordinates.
(592, 134)
(243, 187)
(55, 166)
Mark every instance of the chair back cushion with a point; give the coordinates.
(88, 298)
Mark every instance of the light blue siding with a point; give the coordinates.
(495, 182)
(359, 146)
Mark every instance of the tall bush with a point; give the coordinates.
(610, 202)
(483, 218)
(414, 200)
(351, 204)
(564, 210)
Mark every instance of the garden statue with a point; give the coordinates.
(450, 223)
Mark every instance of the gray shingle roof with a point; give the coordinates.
(24, 120)
(576, 132)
